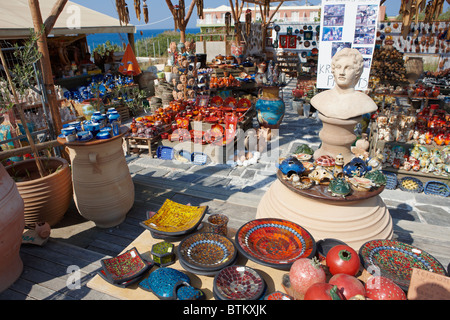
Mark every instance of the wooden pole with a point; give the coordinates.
(46, 66)
(22, 116)
(54, 14)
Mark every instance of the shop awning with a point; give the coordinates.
(16, 21)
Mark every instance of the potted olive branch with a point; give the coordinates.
(45, 186)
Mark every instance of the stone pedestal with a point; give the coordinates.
(353, 222)
(337, 137)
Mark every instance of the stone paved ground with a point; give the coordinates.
(430, 213)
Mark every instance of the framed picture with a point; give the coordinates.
(268, 42)
(292, 42)
(283, 41)
(202, 100)
(307, 35)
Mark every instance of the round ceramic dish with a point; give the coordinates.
(275, 243)
(238, 283)
(395, 260)
(410, 184)
(163, 281)
(207, 251)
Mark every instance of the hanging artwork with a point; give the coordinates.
(122, 11)
(292, 42)
(308, 35)
(145, 11)
(283, 41)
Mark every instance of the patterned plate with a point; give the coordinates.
(275, 243)
(175, 218)
(216, 101)
(244, 103)
(410, 184)
(124, 267)
(238, 283)
(396, 259)
(207, 251)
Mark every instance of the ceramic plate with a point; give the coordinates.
(244, 103)
(207, 250)
(396, 259)
(238, 283)
(410, 184)
(125, 266)
(274, 242)
(216, 101)
(278, 295)
(175, 218)
(163, 281)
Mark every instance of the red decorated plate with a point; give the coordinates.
(244, 103)
(274, 242)
(230, 102)
(216, 101)
(211, 119)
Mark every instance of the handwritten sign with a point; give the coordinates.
(426, 285)
(346, 24)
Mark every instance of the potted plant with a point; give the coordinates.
(44, 183)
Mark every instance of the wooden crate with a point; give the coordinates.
(141, 144)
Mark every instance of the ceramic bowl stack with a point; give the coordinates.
(125, 269)
(206, 253)
(239, 283)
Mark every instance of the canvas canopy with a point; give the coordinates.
(16, 21)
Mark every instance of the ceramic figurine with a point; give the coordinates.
(339, 188)
(339, 166)
(321, 176)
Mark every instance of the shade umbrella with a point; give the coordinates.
(129, 65)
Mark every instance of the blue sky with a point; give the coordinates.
(161, 18)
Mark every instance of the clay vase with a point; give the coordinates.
(103, 190)
(46, 198)
(12, 224)
(270, 108)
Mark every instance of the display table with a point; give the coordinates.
(143, 244)
(103, 190)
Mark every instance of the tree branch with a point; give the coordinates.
(54, 14)
(188, 15)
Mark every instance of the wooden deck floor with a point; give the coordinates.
(76, 244)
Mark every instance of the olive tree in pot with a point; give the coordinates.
(44, 184)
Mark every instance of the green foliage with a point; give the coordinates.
(157, 46)
(22, 74)
(106, 48)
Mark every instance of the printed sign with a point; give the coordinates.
(346, 24)
(426, 285)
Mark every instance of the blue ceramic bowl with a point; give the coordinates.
(84, 135)
(68, 131)
(103, 135)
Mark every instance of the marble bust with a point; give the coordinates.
(343, 101)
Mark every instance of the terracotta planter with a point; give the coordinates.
(12, 224)
(46, 199)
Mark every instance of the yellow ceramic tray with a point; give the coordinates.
(175, 219)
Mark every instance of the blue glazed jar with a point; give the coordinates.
(270, 108)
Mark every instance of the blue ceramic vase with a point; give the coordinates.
(270, 108)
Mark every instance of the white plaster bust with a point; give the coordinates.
(343, 101)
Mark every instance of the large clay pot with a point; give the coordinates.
(12, 224)
(48, 198)
(270, 108)
(103, 190)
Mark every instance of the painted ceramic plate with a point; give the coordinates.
(410, 184)
(124, 267)
(175, 218)
(278, 295)
(238, 283)
(395, 260)
(230, 102)
(275, 243)
(216, 101)
(207, 250)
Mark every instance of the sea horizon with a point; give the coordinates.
(94, 40)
